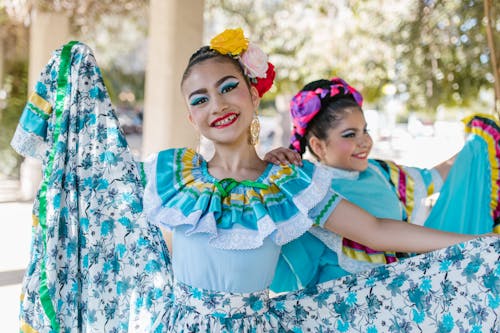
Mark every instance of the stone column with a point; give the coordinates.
(2, 61)
(175, 32)
(48, 31)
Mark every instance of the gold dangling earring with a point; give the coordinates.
(254, 130)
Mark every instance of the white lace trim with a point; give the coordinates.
(420, 211)
(232, 239)
(311, 196)
(340, 173)
(334, 243)
(28, 144)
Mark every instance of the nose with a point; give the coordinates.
(365, 141)
(219, 104)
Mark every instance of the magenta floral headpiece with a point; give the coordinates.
(306, 104)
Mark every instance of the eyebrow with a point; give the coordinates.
(218, 83)
(353, 128)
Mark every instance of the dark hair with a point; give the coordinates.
(331, 112)
(205, 53)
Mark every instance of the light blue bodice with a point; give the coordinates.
(196, 263)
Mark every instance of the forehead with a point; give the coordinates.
(206, 74)
(352, 115)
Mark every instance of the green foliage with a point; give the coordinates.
(434, 52)
(445, 58)
(15, 86)
(117, 80)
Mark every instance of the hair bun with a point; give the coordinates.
(323, 84)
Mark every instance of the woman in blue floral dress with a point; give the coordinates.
(99, 265)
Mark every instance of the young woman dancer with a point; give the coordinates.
(329, 120)
(98, 264)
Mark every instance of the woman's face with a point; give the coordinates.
(348, 143)
(219, 101)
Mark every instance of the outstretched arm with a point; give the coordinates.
(350, 221)
(444, 167)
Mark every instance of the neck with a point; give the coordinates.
(240, 162)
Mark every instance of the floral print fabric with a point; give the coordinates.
(104, 267)
(451, 290)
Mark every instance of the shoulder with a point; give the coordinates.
(166, 159)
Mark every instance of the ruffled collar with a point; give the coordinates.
(281, 203)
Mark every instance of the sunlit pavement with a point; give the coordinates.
(15, 237)
(15, 217)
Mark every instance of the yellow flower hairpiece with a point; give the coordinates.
(253, 60)
(230, 41)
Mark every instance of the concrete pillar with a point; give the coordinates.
(2, 61)
(175, 32)
(48, 31)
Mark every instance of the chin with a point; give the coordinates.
(360, 168)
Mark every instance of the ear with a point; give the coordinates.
(190, 118)
(255, 97)
(318, 147)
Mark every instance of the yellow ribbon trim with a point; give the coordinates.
(40, 103)
(491, 156)
(363, 256)
(26, 328)
(430, 189)
(468, 119)
(409, 188)
(35, 222)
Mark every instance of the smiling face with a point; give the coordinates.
(220, 102)
(347, 145)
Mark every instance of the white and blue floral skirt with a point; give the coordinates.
(97, 265)
(451, 290)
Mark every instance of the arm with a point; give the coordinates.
(167, 236)
(444, 167)
(352, 222)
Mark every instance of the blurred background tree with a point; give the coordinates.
(433, 53)
(13, 86)
(100, 24)
(444, 56)
(426, 54)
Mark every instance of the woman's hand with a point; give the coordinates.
(283, 155)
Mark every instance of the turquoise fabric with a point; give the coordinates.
(466, 194)
(33, 122)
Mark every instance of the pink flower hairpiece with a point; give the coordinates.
(254, 61)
